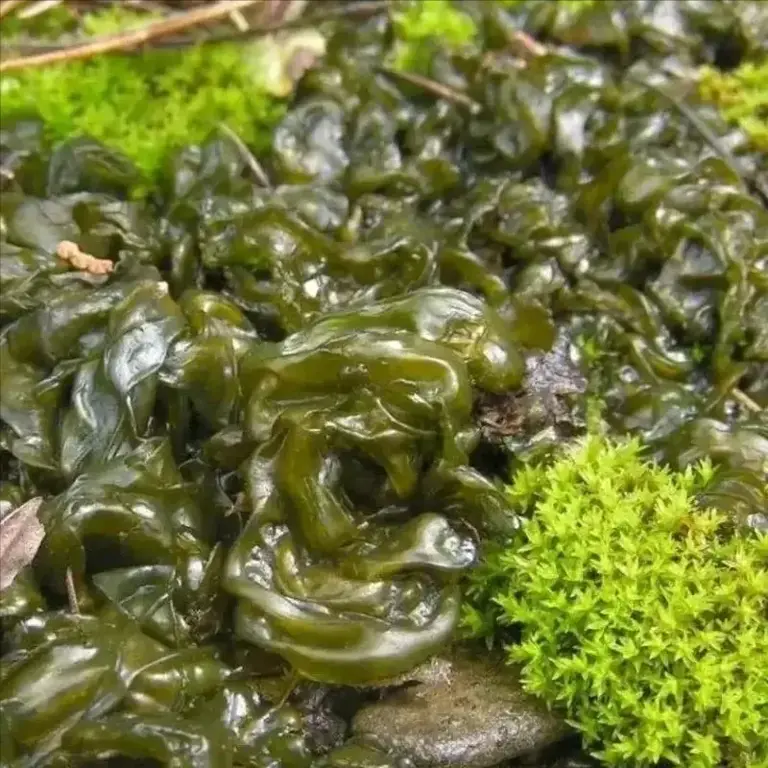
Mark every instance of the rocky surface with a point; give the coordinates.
(472, 713)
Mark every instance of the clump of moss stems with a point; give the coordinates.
(635, 612)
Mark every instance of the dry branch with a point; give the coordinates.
(69, 582)
(438, 89)
(348, 10)
(529, 44)
(38, 8)
(746, 400)
(6, 6)
(248, 156)
(132, 39)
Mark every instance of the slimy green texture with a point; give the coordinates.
(274, 438)
(358, 603)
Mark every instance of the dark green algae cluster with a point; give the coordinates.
(262, 440)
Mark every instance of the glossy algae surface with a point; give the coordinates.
(259, 438)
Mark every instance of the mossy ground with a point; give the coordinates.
(640, 614)
(420, 27)
(145, 105)
(742, 97)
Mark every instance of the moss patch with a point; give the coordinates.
(742, 97)
(423, 27)
(640, 615)
(149, 104)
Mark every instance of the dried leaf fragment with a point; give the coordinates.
(71, 252)
(279, 61)
(21, 534)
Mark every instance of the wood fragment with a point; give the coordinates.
(363, 8)
(522, 40)
(37, 8)
(74, 605)
(153, 6)
(281, 10)
(746, 400)
(524, 45)
(71, 252)
(6, 6)
(432, 86)
(239, 21)
(247, 155)
(131, 39)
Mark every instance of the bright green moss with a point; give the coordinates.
(571, 5)
(641, 616)
(114, 19)
(145, 105)
(423, 25)
(742, 96)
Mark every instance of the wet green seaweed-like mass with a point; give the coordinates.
(272, 441)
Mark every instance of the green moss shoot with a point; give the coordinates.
(422, 26)
(742, 97)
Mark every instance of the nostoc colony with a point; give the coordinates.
(263, 438)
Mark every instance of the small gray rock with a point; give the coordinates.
(474, 714)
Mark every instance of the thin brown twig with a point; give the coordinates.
(237, 18)
(746, 400)
(439, 89)
(6, 6)
(74, 605)
(131, 39)
(350, 9)
(700, 126)
(247, 155)
(152, 6)
(37, 8)
(527, 43)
